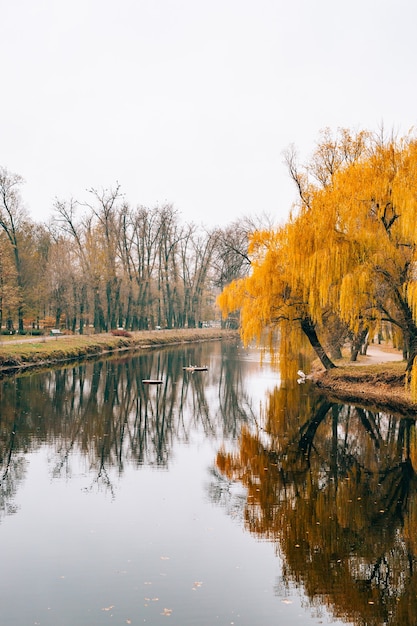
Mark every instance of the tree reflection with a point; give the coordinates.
(102, 413)
(334, 487)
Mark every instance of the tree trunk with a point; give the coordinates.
(308, 328)
(357, 344)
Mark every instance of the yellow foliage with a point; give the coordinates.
(266, 299)
(351, 247)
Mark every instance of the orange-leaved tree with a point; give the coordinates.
(357, 241)
(349, 248)
(270, 299)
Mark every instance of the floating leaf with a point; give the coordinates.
(166, 612)
(196, 585)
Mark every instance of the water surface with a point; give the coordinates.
(219, 497)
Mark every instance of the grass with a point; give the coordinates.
(381, 386)
(390, 373)
(18, 353)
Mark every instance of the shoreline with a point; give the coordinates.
(22, 354)
(376, 380)
(386, 397)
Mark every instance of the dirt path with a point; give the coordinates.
(378, 354)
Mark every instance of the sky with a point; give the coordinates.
(193, 102)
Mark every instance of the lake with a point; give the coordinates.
(224, 496)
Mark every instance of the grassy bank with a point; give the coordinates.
(24, 353)
(381, 386)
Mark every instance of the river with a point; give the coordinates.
(223, 497)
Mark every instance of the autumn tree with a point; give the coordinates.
(103, 238)
(196, 250)
(138, 256)
(12, 216)
(9, 294)
(103, 263)
(36, 243)
(359, 241)
(270, 299)
(70, 261)
(349, 247)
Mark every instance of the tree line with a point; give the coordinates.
(103, 263)
(344, 265)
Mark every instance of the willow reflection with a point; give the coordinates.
(334, 487)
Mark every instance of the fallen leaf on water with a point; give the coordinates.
(166, 612)
(196, 585)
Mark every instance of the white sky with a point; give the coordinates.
(193, 102)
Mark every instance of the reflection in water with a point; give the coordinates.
(334, 486)
(108, 479)
(102, 411)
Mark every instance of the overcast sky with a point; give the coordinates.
(193, 102)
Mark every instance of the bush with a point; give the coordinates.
(120, 332)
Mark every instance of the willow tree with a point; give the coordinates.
(270, 299)
(354, 242)
(279, 291)
(357, 252)
(349, 247)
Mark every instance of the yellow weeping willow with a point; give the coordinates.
(349, 248)
(267, 300)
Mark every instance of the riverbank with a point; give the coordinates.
(375, 380)
(23, 353)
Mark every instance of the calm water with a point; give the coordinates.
(219, 497)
